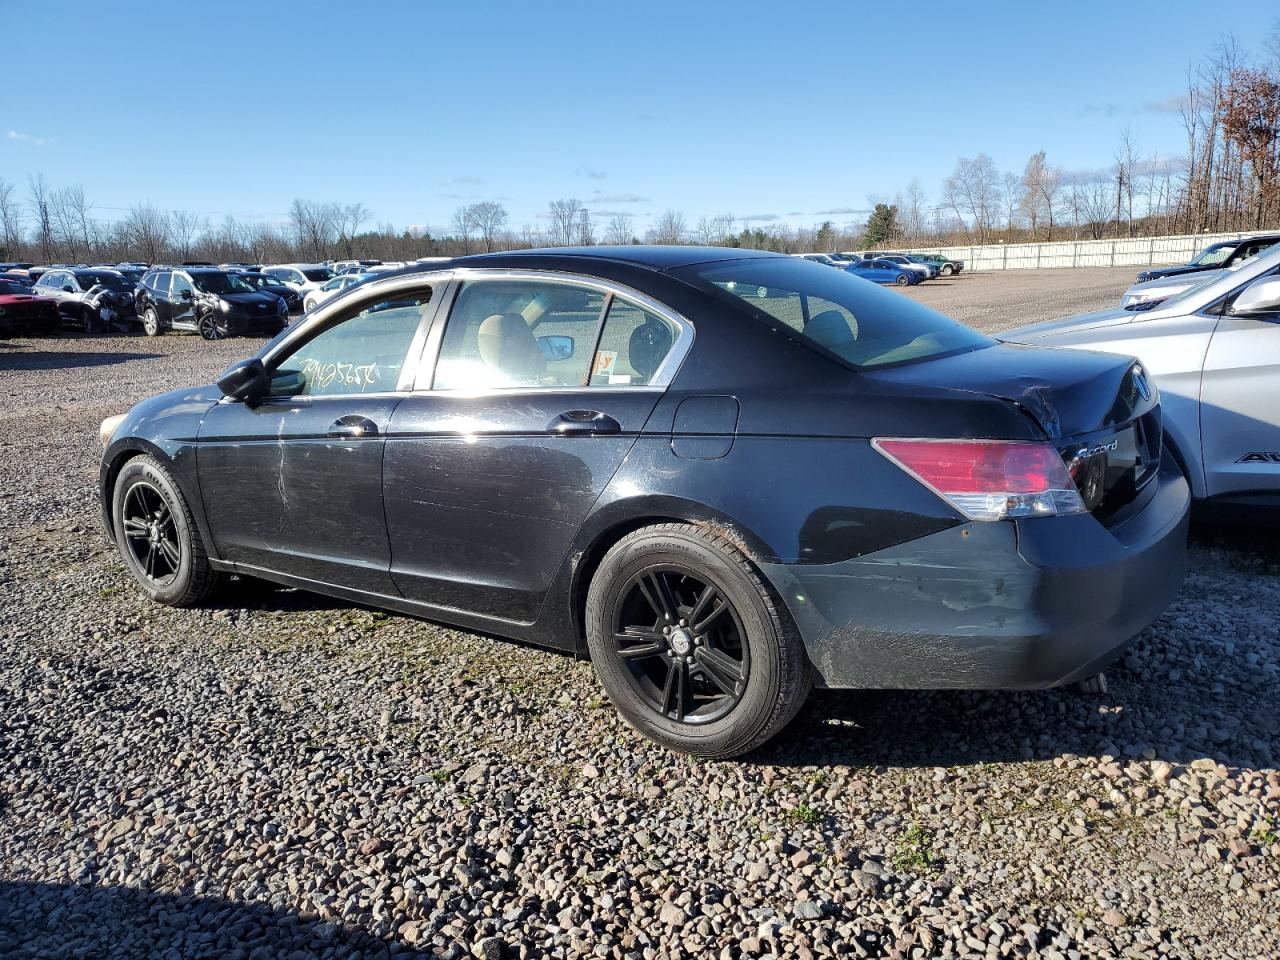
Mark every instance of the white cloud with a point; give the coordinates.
(30, 138)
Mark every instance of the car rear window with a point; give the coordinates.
(844, 315)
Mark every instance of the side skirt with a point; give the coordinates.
(520, 631)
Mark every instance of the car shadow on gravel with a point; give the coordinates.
(1208, 702)
(68, 360)
(71, 920)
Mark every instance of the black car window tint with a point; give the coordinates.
(632, 346)
(364, 353)
(509, 333)
(179, 283)
(162, 281)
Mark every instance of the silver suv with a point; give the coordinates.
(1214, 350)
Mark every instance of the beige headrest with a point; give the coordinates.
(507, 344)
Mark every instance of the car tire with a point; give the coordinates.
(89, 319)
(947, 270)
(157, 538)
(207, 327)
(747, 639)
(902, 280)
(150, 322)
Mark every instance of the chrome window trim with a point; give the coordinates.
(660, 380)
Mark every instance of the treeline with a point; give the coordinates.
(1228, 179)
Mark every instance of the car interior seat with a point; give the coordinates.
(507, 345)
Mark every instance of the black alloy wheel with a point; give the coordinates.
(691, 643)
(158, 538)
(682, 644)
(209, 327)
(151, 534)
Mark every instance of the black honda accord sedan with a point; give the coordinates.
(723, 475)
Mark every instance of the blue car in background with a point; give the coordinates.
(884, 271)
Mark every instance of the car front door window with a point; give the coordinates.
(365, 353)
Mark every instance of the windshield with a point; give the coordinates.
(13, 286)
(844, 314)
(318, 276)
(266, 280)
(1213, 255)
(220, 283)
(112, 281)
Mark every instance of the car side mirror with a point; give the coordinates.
(1261, 296)
(67, 288)
(242, 380)
(186, 295)
(556, 348)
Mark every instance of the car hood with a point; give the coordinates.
(250, 300)
(1040, 332)
(10, 298)
(1066, 392)
(1156, 273)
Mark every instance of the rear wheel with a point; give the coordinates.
(690, 643)
(158, 538)
(150, 322)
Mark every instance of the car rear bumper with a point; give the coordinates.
(1026, 605)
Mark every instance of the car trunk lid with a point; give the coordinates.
(1100, 411)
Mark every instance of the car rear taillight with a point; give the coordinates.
(989, 479)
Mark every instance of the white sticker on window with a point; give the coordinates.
(619, 378)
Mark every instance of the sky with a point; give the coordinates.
(776, 112)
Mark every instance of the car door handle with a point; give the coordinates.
(353, 427)
(576, 423)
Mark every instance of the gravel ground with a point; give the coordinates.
(999, 299)
(282, 775)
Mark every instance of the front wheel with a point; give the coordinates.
(150, 322)
(209, 328)
(157, 537)
(690, 643)
(89, 319)
(902, 280)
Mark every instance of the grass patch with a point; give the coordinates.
(915, 851)
(805, 814)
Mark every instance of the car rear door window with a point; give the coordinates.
(632, 346)
(504, 334)
(364, 353)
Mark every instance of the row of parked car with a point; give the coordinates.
(215, 301)
(900, 269)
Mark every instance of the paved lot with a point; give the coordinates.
(280, 775)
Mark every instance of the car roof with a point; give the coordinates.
(646, 256)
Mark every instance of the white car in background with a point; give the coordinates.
(303, 277)
(331, 288)
(1213, 351)
(1145, 295)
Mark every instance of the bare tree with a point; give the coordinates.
(488, 218)
(40, 210)
(462, 225)
(714, 231)
(619, 230)
(148, 231)
(313, 228)
(669, 228)
(11, 222)
(1126, 160)
(1011, 194)
(348, 218)
(1041, 186)
(973, 192)
(912, 210)
(564, 216)
(184, 228)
